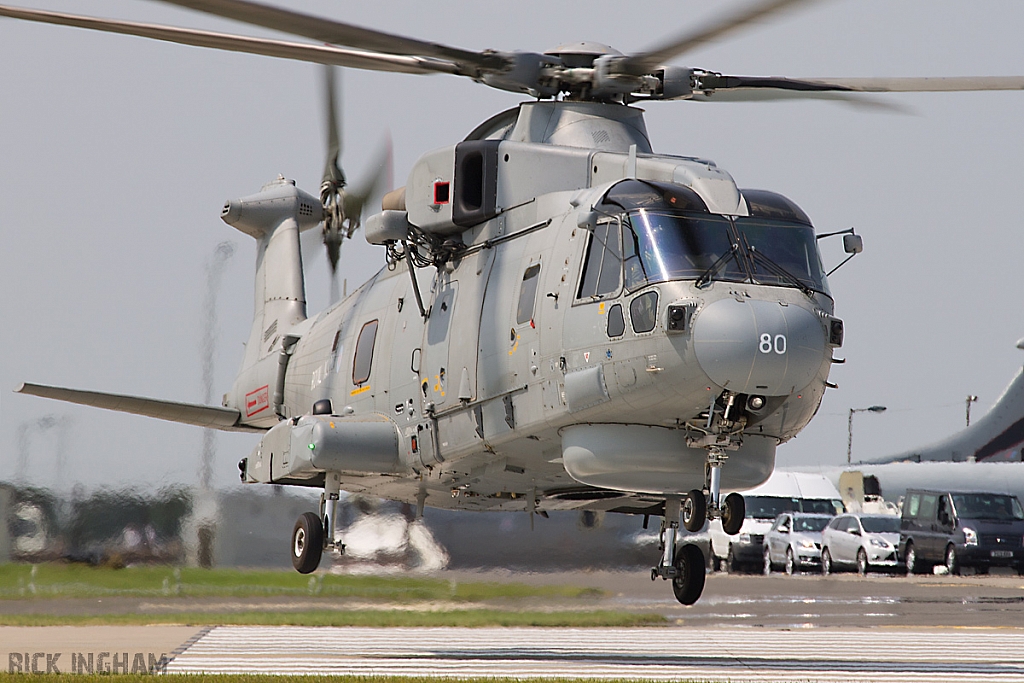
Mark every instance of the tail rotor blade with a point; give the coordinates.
(332, 167)
(379, 181)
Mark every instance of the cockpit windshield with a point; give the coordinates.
(788, 246)
(668, 233)
(661, 246)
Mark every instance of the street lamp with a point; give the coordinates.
(849, 427)
(970, 399)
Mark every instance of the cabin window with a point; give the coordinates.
(337, 350)
(528, 294)
(643, 312)
(602, 267)
(364, 353)
(616, 323)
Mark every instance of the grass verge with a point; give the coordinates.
(56, 580)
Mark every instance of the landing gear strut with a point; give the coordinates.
(732, 510)
(315, 533)
(685, 565)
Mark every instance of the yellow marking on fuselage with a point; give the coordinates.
(360, 390)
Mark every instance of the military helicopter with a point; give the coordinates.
(566, 319)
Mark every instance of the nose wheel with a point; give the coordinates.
(731, 511)
(734, 510)
(695, 511)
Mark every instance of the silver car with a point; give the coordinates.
(794, 541)
(860, 541)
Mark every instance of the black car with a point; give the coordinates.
(961, 529)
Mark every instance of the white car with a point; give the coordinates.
(860, 541)
(794, 541)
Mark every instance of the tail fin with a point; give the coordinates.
(997, 436)
(274, 217)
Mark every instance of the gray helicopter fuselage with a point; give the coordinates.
(546, 373)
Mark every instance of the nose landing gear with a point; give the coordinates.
(698, 506)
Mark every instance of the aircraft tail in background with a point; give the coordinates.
(996, 437)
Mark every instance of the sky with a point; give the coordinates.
(117, 153)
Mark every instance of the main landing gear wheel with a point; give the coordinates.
(307, 543)
(733, 512)
(695, 511)
(688, 582)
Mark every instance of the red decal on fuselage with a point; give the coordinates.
(257, 401)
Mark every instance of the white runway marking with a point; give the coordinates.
(883, 655)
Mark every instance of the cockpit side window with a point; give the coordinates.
(602, 268)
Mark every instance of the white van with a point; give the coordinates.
(783, 492)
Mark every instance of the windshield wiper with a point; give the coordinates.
(777, 269)
(713, 269)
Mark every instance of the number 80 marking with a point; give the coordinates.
(767, 345)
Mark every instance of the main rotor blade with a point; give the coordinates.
(713, 86)
(645, 62)
(923, 83)
(318, 54)
(852, 98)
(339, 33)
(212, 417)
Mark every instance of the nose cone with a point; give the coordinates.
(758, 347)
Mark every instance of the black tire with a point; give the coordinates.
(863, 566)
(714, 561)
(1020, 570)
(689, 581)
(826, 562)
(307, 543)
(733, 512)
(913, 564)
(695, 511)
(732, 566)
(791, 566)
(952, 561)
(767, 562)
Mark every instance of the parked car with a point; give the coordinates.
(860, 541)
(783, 492)
(961, 529)
(794, 541)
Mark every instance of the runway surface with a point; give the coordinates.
(744, 628)
(671, 653)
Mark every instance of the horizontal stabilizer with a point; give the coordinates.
(213, 417)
